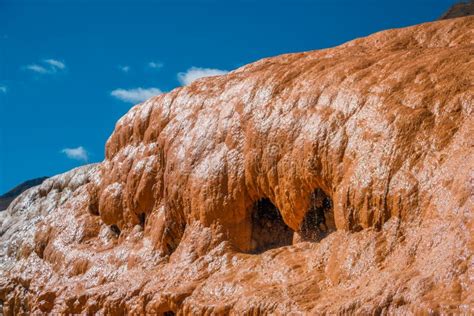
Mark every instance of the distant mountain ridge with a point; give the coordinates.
(458, 10)
(8, 197)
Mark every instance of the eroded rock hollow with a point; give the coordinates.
(331, 181)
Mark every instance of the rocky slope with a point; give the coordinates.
(332, 181)
(8, 197)
(461, 9)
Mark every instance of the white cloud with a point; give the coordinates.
(3, 89)
(55, 63)
(78, 153)
(195, 73)
(124, 68)
(47, 66)
(155, 65)
(135, 95)
(37, 68)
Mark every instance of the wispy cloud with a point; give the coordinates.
(47, 66)
(195, 73)
(135, 95)
(79, 153)
(37, 68)
(3, 89)
(124, 68)
(155, 65)
(55, 63)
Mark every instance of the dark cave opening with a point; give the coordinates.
(319, 219)
(115, 230)
(268, 228)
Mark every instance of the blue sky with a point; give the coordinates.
(70, 69)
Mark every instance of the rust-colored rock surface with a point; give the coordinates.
(332, 181)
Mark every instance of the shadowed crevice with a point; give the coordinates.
(268, 228)
(115, 230)
(142, 219)
(319, 219)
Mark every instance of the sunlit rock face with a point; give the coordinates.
(332, 181)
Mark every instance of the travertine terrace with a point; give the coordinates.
(210, 198)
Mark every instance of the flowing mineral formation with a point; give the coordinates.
(324, 182)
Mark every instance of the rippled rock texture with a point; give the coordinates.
(332, 181)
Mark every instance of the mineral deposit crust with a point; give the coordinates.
(203, 202)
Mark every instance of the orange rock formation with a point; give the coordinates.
(332, 181)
